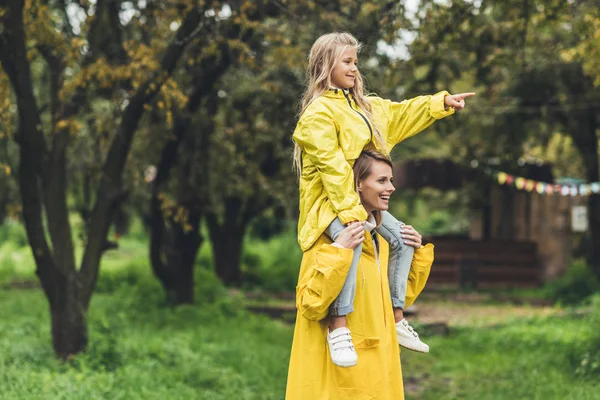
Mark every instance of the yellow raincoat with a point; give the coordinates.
(378, 374)
(332, 132)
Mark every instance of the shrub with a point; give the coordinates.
(13, 232)
(575, 285)
(588, 362)
(272, 265)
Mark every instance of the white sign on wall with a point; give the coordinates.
(579, 219)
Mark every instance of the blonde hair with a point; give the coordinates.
(323, 55)
(362, 170)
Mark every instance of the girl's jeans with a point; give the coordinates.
(400, 260)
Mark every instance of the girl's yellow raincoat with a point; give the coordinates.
(332, 132)
(378, 375)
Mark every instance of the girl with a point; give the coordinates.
(337, 122)
(311, 374)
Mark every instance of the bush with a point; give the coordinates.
(272, 265)
(588, 362)
(577, 284)
(13, 232)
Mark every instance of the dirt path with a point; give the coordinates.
(473, 309)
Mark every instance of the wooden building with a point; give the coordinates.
(516, 238)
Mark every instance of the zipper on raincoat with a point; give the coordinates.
(375, 239)
(359, 113)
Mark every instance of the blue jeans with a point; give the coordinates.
(400, 260)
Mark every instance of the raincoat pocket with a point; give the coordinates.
(361, 337)
(331, 266)
(366, 342)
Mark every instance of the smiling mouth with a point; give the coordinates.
(385, 198)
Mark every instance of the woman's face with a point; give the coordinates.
(375, 189)
(345, 69)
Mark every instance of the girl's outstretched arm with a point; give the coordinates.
(411, 116)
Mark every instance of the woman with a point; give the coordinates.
(312, 374)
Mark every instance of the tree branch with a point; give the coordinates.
(33, 151)
(117, 155)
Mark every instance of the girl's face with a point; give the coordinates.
(375, 189)
(345, 69)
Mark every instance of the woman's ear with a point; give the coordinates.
(358, 188)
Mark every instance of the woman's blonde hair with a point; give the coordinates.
(323, 55)
(362, 169)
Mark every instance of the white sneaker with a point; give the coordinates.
(407, 337)
(341, 347)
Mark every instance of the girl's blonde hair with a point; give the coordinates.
(362, 170)
(323, 55)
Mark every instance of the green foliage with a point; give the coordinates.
(577, 284)
(587, 361)
(16, 260)
(432, 212)
(272, 265)
(139, 349)
(519, 359)
(13, 232)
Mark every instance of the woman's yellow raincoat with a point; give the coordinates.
(332, 132)
(378, 375)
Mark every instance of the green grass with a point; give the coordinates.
(533, 358)
(140, 349)
(215, 350)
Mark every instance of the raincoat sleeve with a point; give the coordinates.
(411, 116)
(317, 137)
(331, 265)
(419, 272)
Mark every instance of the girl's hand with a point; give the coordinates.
(411, 236)
(457, 101)
(352, 235)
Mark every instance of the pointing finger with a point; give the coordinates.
(461, 96)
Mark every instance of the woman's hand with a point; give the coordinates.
(352, 235)
(411, 236)
(457, 101)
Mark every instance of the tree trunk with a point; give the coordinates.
(68, 303)
(583, 127)
(227, 240)
(181, 258)
(227, 253)
(68, 318)
(173, 251)
(593, 256)
(589, 153)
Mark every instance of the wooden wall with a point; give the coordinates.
(520, 215)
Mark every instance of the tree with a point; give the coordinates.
(83, 64)
(243, 133)
(177, 206)
(511, 53)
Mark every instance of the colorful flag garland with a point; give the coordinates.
(544, 188)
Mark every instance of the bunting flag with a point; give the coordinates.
(545, 188)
